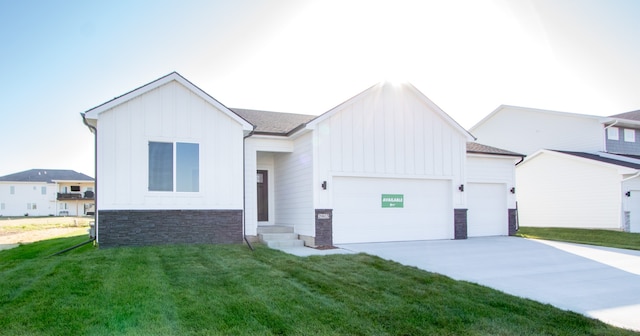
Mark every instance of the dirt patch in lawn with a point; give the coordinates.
(37, 235)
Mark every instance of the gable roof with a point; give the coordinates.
(512, 108)
(624, 164)
(174, 76)
(46, 175)
(606, 158)
(407, 86)
(476, 148)
(274, 123)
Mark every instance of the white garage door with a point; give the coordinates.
(488, 214)
(359, 215)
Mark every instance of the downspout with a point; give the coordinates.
(244, 188)
(94, 130)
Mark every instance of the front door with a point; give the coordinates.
(263, 196)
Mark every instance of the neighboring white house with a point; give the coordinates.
(527, 130)
(579, 190)
(578, 168)
(46, 192)
(176, 166)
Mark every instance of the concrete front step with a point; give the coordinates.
(275, 229)
(276, 236)
(284, 243)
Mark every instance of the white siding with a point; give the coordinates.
(557, 190)
(525, 131)
(389, 132)
(168, 113)
(293, 193)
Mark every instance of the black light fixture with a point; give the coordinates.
(461, 187)
(324, 185)
(513, 190)
(628, 193)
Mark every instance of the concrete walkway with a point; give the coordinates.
(602, 283)
(7, 246)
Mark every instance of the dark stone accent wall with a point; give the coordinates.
(460, 223)
(513, 221)
(324, 227)
(157, 227)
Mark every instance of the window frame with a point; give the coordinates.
(177, 182)
(629, 135)
(613, 133)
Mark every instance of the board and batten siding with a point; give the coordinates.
(526, 130)
(294, 190)
(169, 113)
(391, 133)
(564, 191)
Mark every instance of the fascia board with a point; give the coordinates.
(620, 169)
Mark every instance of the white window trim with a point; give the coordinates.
(629, 135)
(613, 133)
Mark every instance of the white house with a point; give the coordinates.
(579, 190)
(176, 166)
(578, 166)
(527, 130)
(46, 192)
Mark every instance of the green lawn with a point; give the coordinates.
(617, 239)
(229, 290)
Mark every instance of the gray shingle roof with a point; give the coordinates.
(633, 115)
(474, 147)
(275, 123)
(46, 175)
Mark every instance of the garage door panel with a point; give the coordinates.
(487, 214)
(358, 215)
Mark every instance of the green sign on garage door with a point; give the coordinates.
(392, 200)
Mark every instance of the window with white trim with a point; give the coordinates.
(629, 135)
(612, 133)
(174, 166)
(12, 190)
(43, 190)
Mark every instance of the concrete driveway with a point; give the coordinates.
(602, 283)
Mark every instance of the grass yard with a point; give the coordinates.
(617, 239)
(227, 289)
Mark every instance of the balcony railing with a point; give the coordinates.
(87, 195)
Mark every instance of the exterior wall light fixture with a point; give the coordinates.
(324, 185)
(513, 190)
(461, 188)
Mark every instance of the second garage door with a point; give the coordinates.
(359, 215)
(488, 214)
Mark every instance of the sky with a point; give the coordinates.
(61, 58)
